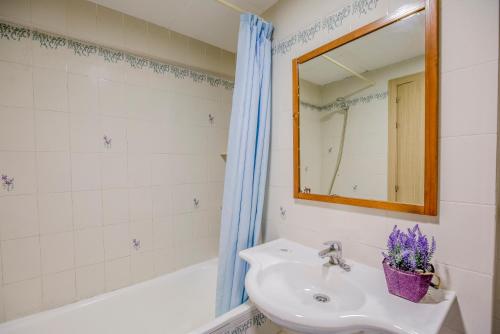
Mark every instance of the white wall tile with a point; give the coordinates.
(16, 51)
(89, 246)
(142, 266)
(162, 202)
(90, 281)
(82, 19)
(142, 231)
(139, 136)
(20, 259)
(86, 133)
(16, 85)
(164, 261)
(482, 18)
(141, 204)
(50, 89)
(111, 101)
(114, 170)
(50, 14)
(474, 304)
(136, 34)
(57, 252)
(456, 228)
(472, 182)
(87, 209)
(52, 130)
(86, 171)
(162, 169)
(163, 233)
(475, 111)
(20, 166)
(117, 273)
(54, 171)
(82, 94)
(139, 170)
(55, 213)
(59, 289)
(18, 9)
(22, 298)
(17, 129)
(18, 217)
(116, 129)
(115, 206)
(110, 29)
(116, 241)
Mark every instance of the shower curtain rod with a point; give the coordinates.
(348, 69)
(233, 6)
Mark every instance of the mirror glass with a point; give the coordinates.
(361, 116)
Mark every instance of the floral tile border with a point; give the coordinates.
(248, 322)
(80, 48)
(335, 106)
(328, 24)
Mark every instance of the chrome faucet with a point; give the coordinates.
(334, 252)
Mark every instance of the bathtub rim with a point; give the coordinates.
(64, 309)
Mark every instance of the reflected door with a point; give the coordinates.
(406, 139)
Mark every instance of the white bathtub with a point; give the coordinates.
(171, 304)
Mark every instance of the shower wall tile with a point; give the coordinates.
(87, 209)
(16, 85)
(86, 171)
(50, 14)
(110, 28)
(116, 241)
(16, 51)
(143, 232)
(17, 129)
(58, 289)
(142, 266)
(54, 171)
(18, 217)
(141, 204)
(52, 131)
(118, 273)
(115, 206)
(50, 89)
(89, 246)
(90, 281)
(22, 298)
(78, 200)
(55, 213)
(82, 94)
(57, 252)
(20, 259)
(114, 170)
(82, 22)
(21, 166)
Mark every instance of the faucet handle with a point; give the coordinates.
(334, 245)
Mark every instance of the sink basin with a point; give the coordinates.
(289, 283)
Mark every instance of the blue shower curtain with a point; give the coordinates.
(247, 156)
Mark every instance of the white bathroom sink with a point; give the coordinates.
(290, 285)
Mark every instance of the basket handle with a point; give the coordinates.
(434, 275)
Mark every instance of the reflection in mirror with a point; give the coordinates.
(362, 116)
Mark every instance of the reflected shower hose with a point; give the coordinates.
(345, 110)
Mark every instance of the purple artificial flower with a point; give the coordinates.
(409, 251)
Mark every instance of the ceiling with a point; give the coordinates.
(206, 20)
(400, 41)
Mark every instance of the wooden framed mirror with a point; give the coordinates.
(365, 109)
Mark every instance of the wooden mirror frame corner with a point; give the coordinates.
(430, 205)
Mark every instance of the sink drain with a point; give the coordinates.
(321, 298)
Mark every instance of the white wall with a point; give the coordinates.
(465, 226)
(67, 225)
